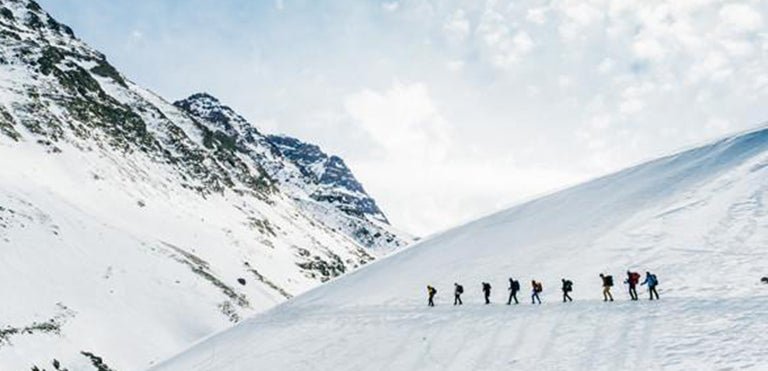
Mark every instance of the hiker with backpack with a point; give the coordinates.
(607, 284)
(457, 291)
(567, 288)
(487, 292)
(652, 282)
(633, 278)
(431, 291)
(536, 289)
(514, 287)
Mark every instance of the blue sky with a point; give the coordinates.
(448, 110)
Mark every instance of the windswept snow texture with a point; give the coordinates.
(697, 219)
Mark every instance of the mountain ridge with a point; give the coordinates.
(124, 217)
(309, 174)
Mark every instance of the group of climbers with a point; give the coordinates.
(633, 279)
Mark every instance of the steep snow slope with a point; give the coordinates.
(698, 219)
(130, 228)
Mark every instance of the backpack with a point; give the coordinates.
(568, 286)
(654, 280)
(634, 277)
(538, 287)
(515, 286)
(432, 290)
(609, 281)
(459, 289)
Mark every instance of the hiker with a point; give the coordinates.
(607, 284)
(514, 287)
(487, 292)
(633, 278)
(431, 291)
(652, 282)
(567, 287)
(458, 290)
(536, 288)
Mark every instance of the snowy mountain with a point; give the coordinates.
(697, 219)
(131, 227)
(322, 184)
(333, 180)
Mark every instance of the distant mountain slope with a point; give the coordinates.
(322, 183)
(334, 182)
(129, 227)
(698, 219)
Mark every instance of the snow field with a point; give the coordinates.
(698, 219)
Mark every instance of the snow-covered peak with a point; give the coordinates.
(209, 108)
(28, 14)
(322, 183)
(338, 184)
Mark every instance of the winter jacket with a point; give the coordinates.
(633, 279)
(651, 280)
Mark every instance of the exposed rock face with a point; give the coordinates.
(334, 180)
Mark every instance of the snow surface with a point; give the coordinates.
(77, 243)
(698, 219)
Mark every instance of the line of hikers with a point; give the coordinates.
(632, 280)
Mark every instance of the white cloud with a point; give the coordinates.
(605, 66)
(633, 97)
(648, 48)
(582, 12)
(457, 26)
(631, 106)
(414, 138)
(738, 47)
(577, 15)
(716, 126)
(522, 43)
(504, 42)
(390, 6)
(403, 120)
(537, 15)
(455, 65)
(713, 66)
(601, 121)
(739, 18)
